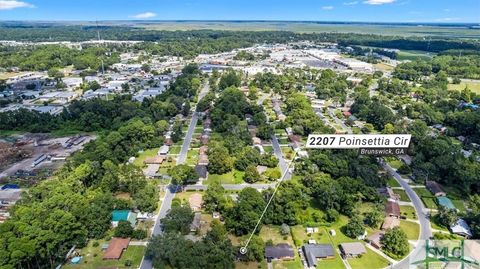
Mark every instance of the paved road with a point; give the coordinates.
(422, 213)
(331, 112)
(170, 191)
(281, 161)
(182, 156)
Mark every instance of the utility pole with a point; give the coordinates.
(98, 37)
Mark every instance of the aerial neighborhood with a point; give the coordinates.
(134, 145)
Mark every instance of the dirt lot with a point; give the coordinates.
(19, 152)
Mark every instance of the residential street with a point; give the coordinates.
(169, 195)
(425, 229)
(339, 122)
(281, 161)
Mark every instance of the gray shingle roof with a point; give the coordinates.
(314, 251)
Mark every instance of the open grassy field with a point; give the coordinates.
(384, 67)
(474, 86)
(412, 229)
(233, 177)
(412, 55)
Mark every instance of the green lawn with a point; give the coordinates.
(394, 162)
(192, 157)
(271, 232)
(408, 211)
(412, 229)
(233, 177)
(403, 195)
(331, 263)
(427, 197)
(144, 155)
(295, 264)
(175, 149)
(393, 182)
(370, 260)
(268, 149)
(92, 258)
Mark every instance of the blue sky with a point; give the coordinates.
(315, 10)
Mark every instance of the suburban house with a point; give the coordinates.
(196, 223)
(261, 169)
(195, 201)
(115, 248)
(392, 209)
(313, 252)
(202, 159)
(390, 223)
(163, 150)
(374, 240)
(461, 228)
(352, 250)
(435, 188)
(202, 171)
(203, 150)
(123, 215)
(279, 252)
(154, 160)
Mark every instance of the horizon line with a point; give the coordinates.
(253, 20)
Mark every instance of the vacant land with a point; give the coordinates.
(233, 177)
(427, 198)
(412, 229)
(473, 85)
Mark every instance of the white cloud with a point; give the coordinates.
(11, 4)
(350, 3)
(447, 19)
(145, 15)
(378, 2)
(327, 7)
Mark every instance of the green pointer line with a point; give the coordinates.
(243, 249)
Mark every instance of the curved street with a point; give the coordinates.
(422, 213)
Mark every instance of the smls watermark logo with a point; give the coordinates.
(458, 254)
